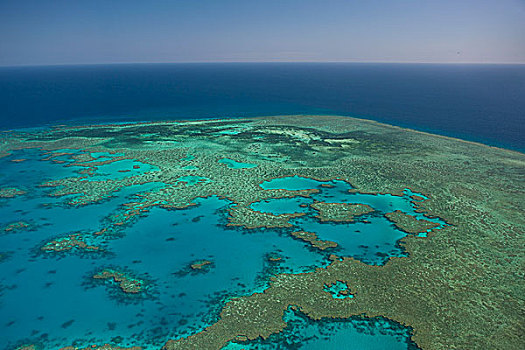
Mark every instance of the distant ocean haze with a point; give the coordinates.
(484, 103)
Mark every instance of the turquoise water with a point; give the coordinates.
(329, 334)
(121, 168)
(280, 206)
(56, 289)
(43, 294)
(230, 163)
(371, 238)
(336, 290)
(51, 299)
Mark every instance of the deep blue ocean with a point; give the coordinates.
(484, 103)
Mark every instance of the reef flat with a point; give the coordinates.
(422, 230)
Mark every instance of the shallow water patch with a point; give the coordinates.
(328, 334)
(121, 169)
(371, 238)
(278, 206)
(338, 290)
(292, 183)
(239, 262)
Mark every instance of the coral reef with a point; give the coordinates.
(67, 243)
(10, 192)
(409, 223)
(200, 264)
(311, 238)
(340, 212)
(126, 283)
(16, 227)
(458, 288)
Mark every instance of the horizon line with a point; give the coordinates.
(256, 62)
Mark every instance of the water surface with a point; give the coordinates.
(475, 102)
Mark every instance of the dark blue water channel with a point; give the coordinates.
(482, 103)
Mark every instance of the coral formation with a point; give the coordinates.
(456, 288)
(409, 223)
(126, 283)
(340, 212)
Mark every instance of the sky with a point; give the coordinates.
(48, 32)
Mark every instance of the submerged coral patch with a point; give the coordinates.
(69, 242)
(16, 227)
(10, 192)
(201, 264)
(125, 282)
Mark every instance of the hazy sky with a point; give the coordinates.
(111, 31)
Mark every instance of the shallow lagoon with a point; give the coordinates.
(159, 246)
(62, 305)
(291, 183)
(120, 169)
(329, 334)
(371, 238)
(43, 293)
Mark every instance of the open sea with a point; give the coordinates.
(484, 103)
